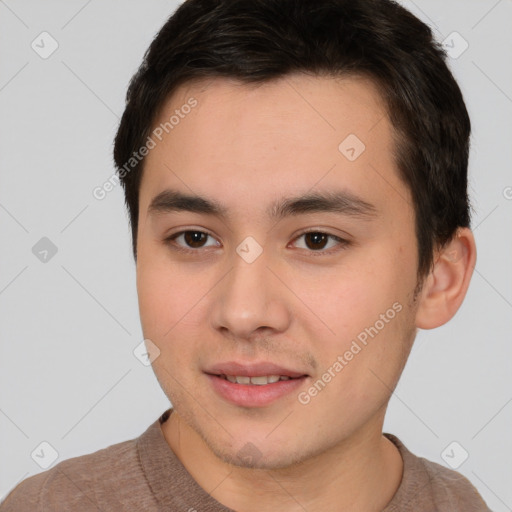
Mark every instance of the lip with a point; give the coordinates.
(252, 395)
(252, 370)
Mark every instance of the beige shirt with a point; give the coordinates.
(144, 474)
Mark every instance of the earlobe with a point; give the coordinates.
(445, 287)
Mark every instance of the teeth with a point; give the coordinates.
(258, 381)
(264, 380)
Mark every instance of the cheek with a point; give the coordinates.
(171, 304)
(365, 302)
(151, 295)
(161, 287)
(161, 295)
(347, 296)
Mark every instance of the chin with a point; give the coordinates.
(265, 455)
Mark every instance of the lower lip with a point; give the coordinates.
(252, 395)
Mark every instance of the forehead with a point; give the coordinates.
(247, 141)
(295, 105)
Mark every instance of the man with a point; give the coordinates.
(296, 178)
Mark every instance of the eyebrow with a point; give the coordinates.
(342, 202)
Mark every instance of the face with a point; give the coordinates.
(321, 289)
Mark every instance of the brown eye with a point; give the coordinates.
(317, 241)
(192, 240)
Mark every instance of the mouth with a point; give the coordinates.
(238, 372)
(257, 380)
(254, 385)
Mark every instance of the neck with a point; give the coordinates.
(360, 473)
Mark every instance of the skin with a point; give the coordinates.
(292, 305)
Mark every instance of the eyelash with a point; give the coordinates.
(342, 243)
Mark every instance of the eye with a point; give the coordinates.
(316, 241)
(192, 238)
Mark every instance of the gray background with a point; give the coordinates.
(69, 325)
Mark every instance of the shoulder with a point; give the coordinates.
(87, 482)
(453, 490)
(437, 485)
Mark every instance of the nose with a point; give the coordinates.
(250, 297)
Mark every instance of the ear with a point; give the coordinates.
(446, 285)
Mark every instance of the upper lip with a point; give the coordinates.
(251, 369)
